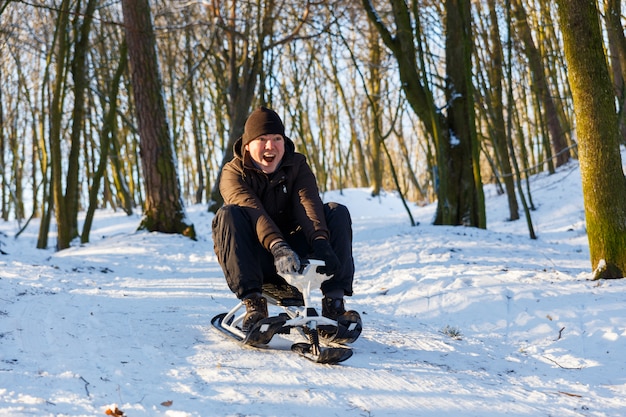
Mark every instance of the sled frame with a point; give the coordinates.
(301, 317)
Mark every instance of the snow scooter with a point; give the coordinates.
(325, 336)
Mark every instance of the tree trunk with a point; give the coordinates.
(79, 74)
(196, 129)
(164, 210)
(4, 185)
(46, 189)
(462, 153)
(375, 113)
(120, 181)
(617, 46)
(105, 144)
(56, 116)
(511, 114)
(557, 135)
(496, 99)
(603, 181)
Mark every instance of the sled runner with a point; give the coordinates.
(322, 335)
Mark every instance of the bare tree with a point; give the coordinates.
(105, 144)
(244, 34)
(56, 115)
(462, 150)
(459, 199)
(79, 70)
(493, 98)
(542, 89)
(617, 48)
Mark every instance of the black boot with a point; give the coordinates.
(349, 323)
(334, 309)
(256, 309)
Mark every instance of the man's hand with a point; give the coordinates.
(323, 251)
(285, 259)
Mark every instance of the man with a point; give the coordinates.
(273, 215)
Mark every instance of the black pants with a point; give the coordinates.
(247, 264)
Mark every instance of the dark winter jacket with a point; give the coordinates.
(277, 203)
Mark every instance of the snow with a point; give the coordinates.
(457, 321)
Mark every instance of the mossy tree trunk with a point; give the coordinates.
(603, 181)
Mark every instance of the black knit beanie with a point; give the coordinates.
(262, 121)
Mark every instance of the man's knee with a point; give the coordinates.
(228, 215)
(230, 211)
(337, 212)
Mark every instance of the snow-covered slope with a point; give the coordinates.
(457, 321)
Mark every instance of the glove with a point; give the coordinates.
(285, 259)
(323, 252)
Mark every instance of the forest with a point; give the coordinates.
(135, 105)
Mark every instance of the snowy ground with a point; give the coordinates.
(125, 322)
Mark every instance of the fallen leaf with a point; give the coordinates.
(115, 412)
(167, 403)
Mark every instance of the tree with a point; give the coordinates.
(617, 48)
(374, 86)
(78, 68)
(105, 144)
(244, 34)
(164, 210)
(603, 181)
(542, 90)
(462, 149)
(56, 116)
(459, 199)
(66, 204)
(493, 97)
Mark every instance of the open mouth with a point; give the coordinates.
(269, 158)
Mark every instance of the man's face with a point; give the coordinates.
(267, 151)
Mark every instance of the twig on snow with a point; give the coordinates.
(560, 333)
(561, 366)
(86, 386)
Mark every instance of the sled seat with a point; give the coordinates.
(283, 294)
